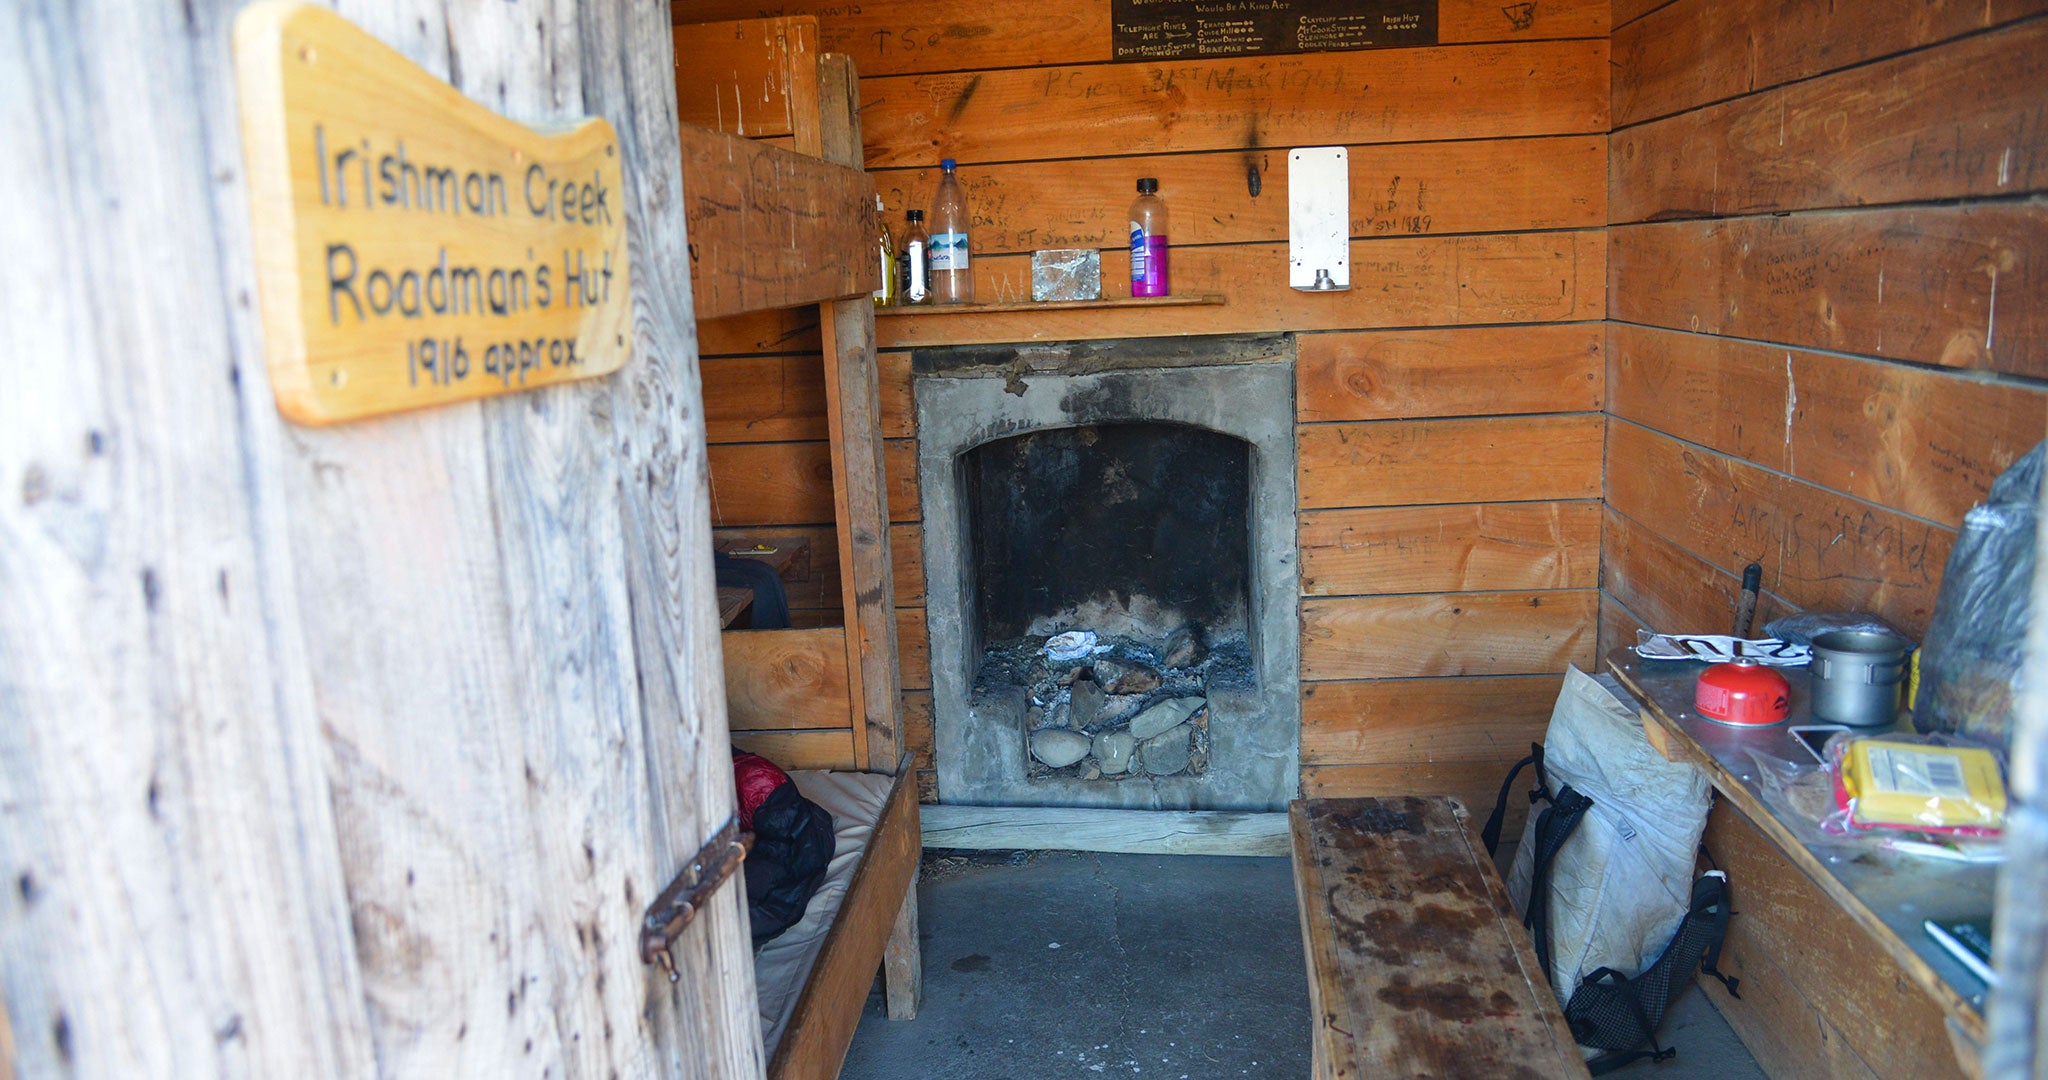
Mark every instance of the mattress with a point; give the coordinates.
(855, 800)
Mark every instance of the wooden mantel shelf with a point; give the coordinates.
(1051, 305)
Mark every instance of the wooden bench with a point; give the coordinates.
(1417, 965)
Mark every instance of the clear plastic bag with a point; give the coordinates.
(1930, 795)
(1971, 663)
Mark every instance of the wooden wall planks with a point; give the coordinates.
(777, 680)
(895, 37)
(1485, 718)
(1396, 637)
(1468, 547)
(1399, 462)
(1472, 91)
(1467, 363)
(1694, 52)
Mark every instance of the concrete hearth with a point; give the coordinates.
(1242, 388)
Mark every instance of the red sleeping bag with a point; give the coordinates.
(793, 845)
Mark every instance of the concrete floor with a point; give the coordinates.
(1071, 964)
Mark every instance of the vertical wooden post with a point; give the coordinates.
(902, 964)
(859, 487)
(2017, 1013)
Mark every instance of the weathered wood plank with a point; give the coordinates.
(748, 77)
(860, 490)
(1478, 371)
(906, 547)
(903, 954)
(1391, 637)
(773, 229)
(814, 1044)
(1886, 1020)
(1470, 92)
(1618, 624)
(1968, 288)
(895, 37)
(1925, 442)
(917, 727)
(1141, 832)
(1396, 282)
(1474, 784)
(1483, 719)
(1456, 548)
(1952, 121)
(1628, 11)
(1399, 190)
(1671, 589)
(1417, 963)
(808, 749)
(167, 836)
(771, 484)
(764, 399)
(1402, 462)
(1693, 52)
(777, 680)
(1819, 549)
(914, 651)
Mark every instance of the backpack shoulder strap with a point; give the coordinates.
(1491, 833)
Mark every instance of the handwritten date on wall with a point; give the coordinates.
(416, 248)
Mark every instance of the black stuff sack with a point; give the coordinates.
(793, 845)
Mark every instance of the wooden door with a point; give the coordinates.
(350, 751)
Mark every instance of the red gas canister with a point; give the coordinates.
(1745, 693)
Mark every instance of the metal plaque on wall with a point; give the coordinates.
(1197, 29)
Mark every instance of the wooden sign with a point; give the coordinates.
(1199, 29)
(413, 247)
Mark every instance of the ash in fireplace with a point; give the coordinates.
(1126, 709)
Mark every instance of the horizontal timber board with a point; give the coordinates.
(1901, 1033)
(1452, 548)
(1494, 459)
(752, 77)
(1927, 442)
(773, 229)
(783, 679)
(1466, 371)
(1400, 95)
(917, 727)
(1404, 281)
(1618, 624)
(1139, 832)
(800, 749)
(1475, 784)
(1483, 718)
(1394, 637)
(896, 37)
(1818, 548)
(1969, 284)
(1669, 588)
(913, 648)
(1240, 196)
(790, 483)
(906, 551)
(1693, 52)
(790, 331)
(1961, 119)
(766, 398)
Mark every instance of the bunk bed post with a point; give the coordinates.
(859, 488)
(2018, 1013)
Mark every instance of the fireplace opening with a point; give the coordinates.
(1111, 571)
(1111, 583)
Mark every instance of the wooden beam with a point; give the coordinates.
(773, 229)
(1142, 832)
(860, 476)
(755, 78)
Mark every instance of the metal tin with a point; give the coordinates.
(1744, 693)
(1857, 677)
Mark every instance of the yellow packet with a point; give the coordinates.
(1919, 786)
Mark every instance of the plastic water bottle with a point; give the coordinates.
(1148, 241)
(952, 277)
(916, 260)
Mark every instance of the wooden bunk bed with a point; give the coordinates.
(781, 216)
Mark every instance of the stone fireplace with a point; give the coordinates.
(1111, 572)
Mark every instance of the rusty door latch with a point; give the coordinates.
(685, 896)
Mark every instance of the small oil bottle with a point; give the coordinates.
(1148, 241)
(915, 283)
(885, 247)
